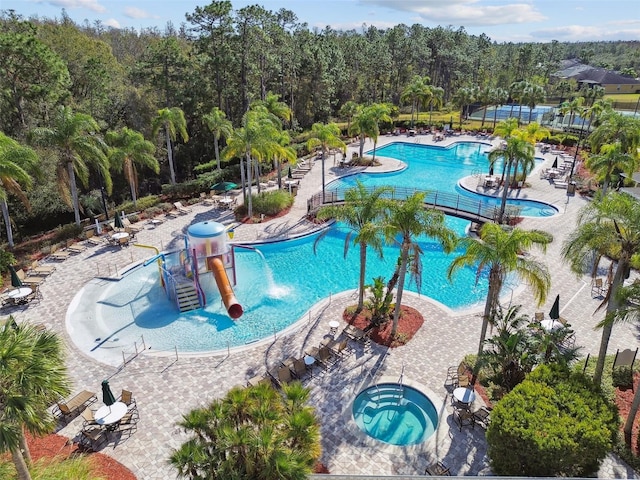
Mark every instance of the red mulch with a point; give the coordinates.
(409, 323)
(53, 445)
(624, 398)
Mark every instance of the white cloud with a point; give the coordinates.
(137, 13)
(464, 12)
(92, 5)
(577, 33)
(112, 22)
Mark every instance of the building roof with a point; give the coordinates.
(595, 75)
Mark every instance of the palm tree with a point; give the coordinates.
(616, 127)
(33, 376)
(501, 252)
(128, 150)
(434, 99)
(361, 212)
(363, 126)
(533, 133)
(610, 162)
(572, 107)
(533, 95)
(74, 136)
(516, 90)
(500, 97)
(415, 93)
(258, 136)
(254, 432)
(485, 97)
(285, 152)
(325, 136)
(464, 97)
(516, 151)
(349, 110)
(408, 219)
(378, 112)
(629, 310)
(15, 163)
(274, 106)
(173, 122)
(220, 126)
(610, 224)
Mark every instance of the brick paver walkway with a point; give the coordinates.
(167, 387)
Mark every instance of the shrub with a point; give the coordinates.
(153, 211)
(271, 203)
(141, 204)
(65, 232)
(555, 423)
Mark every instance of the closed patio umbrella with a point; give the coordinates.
(491, 171)
(289, 174)
(554, 314)
(555, 163)
(15, 280)
(117, 222)
(107, 395)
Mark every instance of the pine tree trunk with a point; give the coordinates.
(7, 222)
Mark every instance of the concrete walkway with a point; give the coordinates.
(167, 387)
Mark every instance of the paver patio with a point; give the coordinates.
(167, 387)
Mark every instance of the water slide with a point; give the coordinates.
(222, 280)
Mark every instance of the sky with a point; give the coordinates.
(501, 20)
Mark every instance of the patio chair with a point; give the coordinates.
(538, 317)
(482, 417)
(126, 397)
(88, 417)
(463, 417)
(282, 375)
(339, 347)
(93, 437)
(438, 469)
(597, 288)
(129, 227)
(300, 369)
(457, 376)
(57, 254)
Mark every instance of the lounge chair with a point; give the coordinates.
(75, 247)
(438, 469)
(71, 407)
(39, 270)
(29, 281)
(129, 227)
(57, 254)
(181, 208)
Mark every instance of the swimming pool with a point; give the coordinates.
(276, 285)
(395, 414)
(437, 168)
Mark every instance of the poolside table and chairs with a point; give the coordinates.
(109, 416)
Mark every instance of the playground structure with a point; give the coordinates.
(206, 252)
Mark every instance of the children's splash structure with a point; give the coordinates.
(206, 252)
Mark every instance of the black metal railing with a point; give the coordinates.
(450, 203)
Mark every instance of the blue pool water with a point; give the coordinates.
(277, 285)
(395, 414)
(437, 168)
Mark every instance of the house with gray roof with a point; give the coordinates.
(587, 75)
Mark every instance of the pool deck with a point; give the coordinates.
(166, 387)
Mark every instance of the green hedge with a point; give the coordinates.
(268, 203)
(555, 423)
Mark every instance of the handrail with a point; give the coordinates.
(450, 203)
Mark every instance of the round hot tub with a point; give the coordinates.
(395, 414)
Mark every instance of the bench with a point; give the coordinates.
(74, 404)
(563, 185)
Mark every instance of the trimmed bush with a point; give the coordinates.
(555, 423)
(142, 204)
(271, 203)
